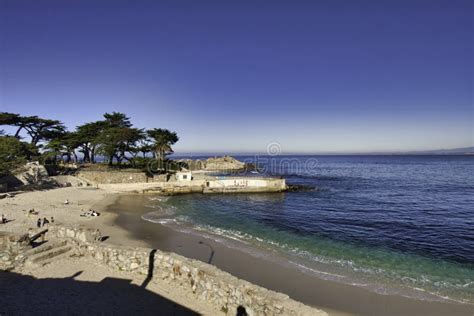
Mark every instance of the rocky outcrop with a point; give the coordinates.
(225, 163)
(32, 173)
(69, 181)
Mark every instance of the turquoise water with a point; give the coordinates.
(391, 224)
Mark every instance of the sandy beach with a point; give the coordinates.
(83, 278)
(121, 222)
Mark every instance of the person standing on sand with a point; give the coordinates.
(38, 223)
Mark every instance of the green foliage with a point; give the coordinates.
(88, 138)
(38, 129)
(13, 153)
(113, 137)
(117, 119)
(115, 142)
(64, 145)
(162, 140)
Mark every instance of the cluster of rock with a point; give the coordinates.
(31, 174)
(11, 247)
(203, 281)
(34, 175)
(225, 163)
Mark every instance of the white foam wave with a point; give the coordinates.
(159, 198)
(250, 239)
(153, 218)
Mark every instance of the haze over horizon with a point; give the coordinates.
(331, 76)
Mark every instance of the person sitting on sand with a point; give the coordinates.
(92, 213)
(98, 235)
(3, 219)
(66, 202)
(45, 221)
(52, 219)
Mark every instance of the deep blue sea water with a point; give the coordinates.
(385, 222)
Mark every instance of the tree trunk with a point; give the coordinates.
(87, 157)
(119, 159)
(93, 155)
(17, 134)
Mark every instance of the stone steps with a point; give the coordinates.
(47, 253)
(44, 247)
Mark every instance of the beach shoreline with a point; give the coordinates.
(124, 227)
(331, 296)
(51, 203)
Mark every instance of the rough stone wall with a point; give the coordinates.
(107, 177)
(203, 281)
(11, 246)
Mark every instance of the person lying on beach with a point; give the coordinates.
(98, 235)
(90, 213)
(33, 212)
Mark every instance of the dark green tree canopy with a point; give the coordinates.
(114, 137)
(116, 119)
(162, 140)
(13, 153)
(38, 129)
(116, 142)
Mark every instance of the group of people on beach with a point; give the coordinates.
(42, 222)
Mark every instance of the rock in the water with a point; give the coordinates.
(300, 188)
(225, 163)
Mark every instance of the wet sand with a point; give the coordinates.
(267, 271)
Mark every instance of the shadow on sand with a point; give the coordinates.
(20, 295)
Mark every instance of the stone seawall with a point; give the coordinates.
(109, 177)
(194, 186)
(202, 281)
(11, 245)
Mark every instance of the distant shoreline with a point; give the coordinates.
(198, 155)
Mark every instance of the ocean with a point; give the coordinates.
(392, 224)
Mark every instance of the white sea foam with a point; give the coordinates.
(212, 232)
(159, 198)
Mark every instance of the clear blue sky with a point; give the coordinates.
(314, 76)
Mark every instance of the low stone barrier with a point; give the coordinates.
(11, 245)
(101, 177)
(203, 281)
